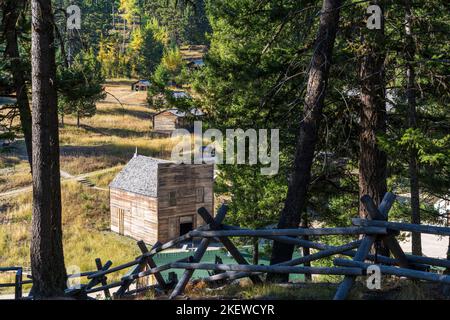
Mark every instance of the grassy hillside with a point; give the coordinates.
(86, 234)
(107, 140)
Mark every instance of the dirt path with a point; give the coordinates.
(432, 246)
(65, 176)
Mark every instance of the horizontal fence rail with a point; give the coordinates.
(289, 232)
(359, 255)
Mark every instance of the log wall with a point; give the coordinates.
(165, 121)
(158, 219)
(185, 180)
(140, 215)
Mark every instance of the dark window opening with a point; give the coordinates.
(172, 198)
(200, 195)
(186, 227)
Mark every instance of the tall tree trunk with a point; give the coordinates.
(124, 32)
(10, 16)
(71, 38)
(308, 132)
(113, 15)
(47, 259)
(447, 271)
(372, 160)
(412, 123)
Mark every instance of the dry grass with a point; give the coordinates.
(111, 136)
(102, 180)
(392, 289)
(8, 160)
(86, 234)
(107, 139)
(103, 141)
(95, 153)
(14, 170)
(15, 177)
(246, 290)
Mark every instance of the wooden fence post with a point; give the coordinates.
(126, 283)
(228, 244)
(98, 263)
(381, 213)
(99, 279)
(151, 263)
(18, 284)
(361, 254)
(201, 249)
(375, 213)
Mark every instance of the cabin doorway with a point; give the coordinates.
(121, 218)
(186, 224)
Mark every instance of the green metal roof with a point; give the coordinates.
(209, 257)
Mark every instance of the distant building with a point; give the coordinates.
(193, 55)
(159, 100)
(443, 207)
(140, 85)
(196, 63)
(180, 94)
(157, 200)
(171, 119)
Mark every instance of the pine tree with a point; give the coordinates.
(11, 12)
(47, 258)
(80, 86)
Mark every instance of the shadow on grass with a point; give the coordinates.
(13, 154)
(118, 132)
(141, 115)
(124, 153)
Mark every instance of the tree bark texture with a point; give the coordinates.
(416, 241)
(47, 259)
(308, 132)
(372, 160)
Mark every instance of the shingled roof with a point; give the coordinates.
(140, 175)
(181, 114)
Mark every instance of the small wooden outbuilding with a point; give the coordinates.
(140, 85)
(157, 200)
(172, 119)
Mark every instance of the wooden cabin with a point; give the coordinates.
(157, 200)
(140, 85)
(171, 119)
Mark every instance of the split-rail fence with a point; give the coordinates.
(372, 231)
